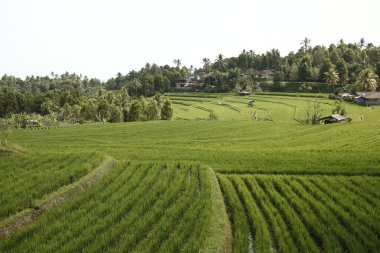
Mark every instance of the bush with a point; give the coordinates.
(213, 116)
(167, 110)
(135, 111)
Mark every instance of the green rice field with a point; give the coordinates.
(254, 180)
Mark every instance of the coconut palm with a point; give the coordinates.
(220, 63)
(206, 65)
(332, 77)
(361, 43)
(177, 62)
(134, 84)
(305, 43)
(366, 80)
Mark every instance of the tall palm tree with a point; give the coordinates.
(134, 84)
(206, 65)
(220, 62)
(361, 43)
(177, 62)
(366, 80)
(332, 77)
(305, 43)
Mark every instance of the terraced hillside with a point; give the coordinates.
(265, 107)
(280, 185)
(139, 207)
(27, 178)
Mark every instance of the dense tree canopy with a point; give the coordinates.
(354, 65)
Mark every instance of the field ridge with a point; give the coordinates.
(54, 199)
(299, 173)
(220, 236)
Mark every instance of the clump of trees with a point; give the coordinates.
(75, 98)
(54, 108)
(343, 62)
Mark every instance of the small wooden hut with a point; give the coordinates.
(335, 118)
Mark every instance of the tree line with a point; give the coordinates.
(308, 64)
(53, 108)
(356, 65)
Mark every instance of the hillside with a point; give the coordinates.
(286, 186)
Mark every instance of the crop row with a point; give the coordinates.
(228, 106)
(25, 178)
(303, 213)
(136, 207)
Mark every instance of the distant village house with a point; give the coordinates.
(244, 93)
(188, 84)
(368, 98)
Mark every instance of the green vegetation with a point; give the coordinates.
(275, 185)
(165, 208)
(27, 178)
(75, 98)
(303, 213)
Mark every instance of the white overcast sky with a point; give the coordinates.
(99, 38)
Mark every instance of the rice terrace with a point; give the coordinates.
(191, 184)
(190, 126)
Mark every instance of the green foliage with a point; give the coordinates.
(308, 64)
(104, 110)
(332, 78)
(313, 112)
(135, 110)
(341, 68)
(167, 110)
(339, 107)
(366, 80)
(279, 76)
(152, 111)
(325, 67)
(6, 127)
(116, 114)
(305, 70)
(213, 116)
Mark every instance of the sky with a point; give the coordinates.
(100, 38)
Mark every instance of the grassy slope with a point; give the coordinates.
(140, 207)
(235, 143)
(27, 177)
(246, 146)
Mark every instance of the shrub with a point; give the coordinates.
(213, 116)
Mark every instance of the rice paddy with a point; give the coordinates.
(283, 186)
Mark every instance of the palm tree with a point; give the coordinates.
(361, 43)
(332, 77)
(206, 65)
(134, 84)
(177, 62)
(219, 61)
(305, 43)
(366, 80)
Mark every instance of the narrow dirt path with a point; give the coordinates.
(54, 199)
(220, 235)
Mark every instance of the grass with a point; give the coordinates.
(166, 209)
(27, 178)
(303, 213)
(286, 186)
(227, 146)
(219, 237)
